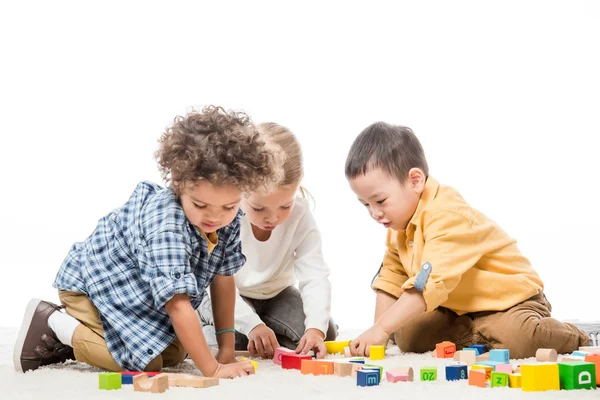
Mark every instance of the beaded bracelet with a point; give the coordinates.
(224, 331)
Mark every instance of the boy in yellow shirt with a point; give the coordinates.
(449, 272)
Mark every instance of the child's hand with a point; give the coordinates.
(312, 340)
(262, 342)
(226, 355)
(371, 337)
(234, 370)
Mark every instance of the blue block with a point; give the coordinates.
(481, 348)
(357, 361)
(456, 372)
(127, 379)
(500, 355)
(367, 378)
(580, 353)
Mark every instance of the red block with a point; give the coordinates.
(445, 350)
(293, 360)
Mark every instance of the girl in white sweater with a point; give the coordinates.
(282, 245)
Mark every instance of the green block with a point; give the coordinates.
(379, 367)
(577, 375)
(109, 381)
(429, 374)
(499, 379)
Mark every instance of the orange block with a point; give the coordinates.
(486, 368)
(445, 350)
(316, 367)
(596, 360)
(477, 378)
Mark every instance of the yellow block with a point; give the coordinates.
(254, 363)
(487, 368)
(540, 377)
(336, 347)
(514, 380)
(377, 352)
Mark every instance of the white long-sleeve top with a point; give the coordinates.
(291, 255)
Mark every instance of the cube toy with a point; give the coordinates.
(428, 374)
(279, 352)
(483, 357)
(127, 376)
(377, 352)
(445, 350)
(189, 380)
(471, 348)
(481, 348)
(456, 372)
(109, 381)
(347, 352)
(500, 355)
(342, 368)
(377, 368)
(571, 358)
(335, 347)
(485, 368)
(514, 380)
(477, 378)
(577, 375)
(492, 364)
(467, 357)
(395, 375)
(499, 379)
(596, 360)
(355, 369)
(580, 354)
(405, 370)
(546, 355)
(504, 368)
(357, 360)
(293, 360)
(367, 378)
(316, 367)
(590, 349)
(539, 377)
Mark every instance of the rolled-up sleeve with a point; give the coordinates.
(392, 274)
(450, 250)
(166, 267)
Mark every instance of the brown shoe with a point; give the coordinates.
(37, 345)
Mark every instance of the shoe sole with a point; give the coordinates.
(18, 350)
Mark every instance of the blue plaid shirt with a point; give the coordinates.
(137, 259)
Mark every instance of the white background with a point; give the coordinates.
(505, 97)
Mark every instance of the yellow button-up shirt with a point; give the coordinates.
(475, 265)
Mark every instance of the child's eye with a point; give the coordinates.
(229, 208)
(285, 207)
(381, 201)
(258, 209)
(364, 204)
(199, 206)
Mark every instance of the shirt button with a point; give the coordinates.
(177, 275)
(426, 266)
(411, 243)
(150, 351)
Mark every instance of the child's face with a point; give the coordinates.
(389, 202)
(267, 210)
(210, 207)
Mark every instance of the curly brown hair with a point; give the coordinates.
(220, 146)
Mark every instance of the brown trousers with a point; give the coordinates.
(521, 329)
(89, 345)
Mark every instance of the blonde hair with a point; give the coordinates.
(293, 165)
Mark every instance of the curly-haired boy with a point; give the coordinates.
(130, 289)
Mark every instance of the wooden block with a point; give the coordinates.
(342, 368)
(508, 368)
(347, 352)
(467, 357)
(109, 381)
(254, 363)
(355, 368)
(376, 352)
(485, 368)
(367, 378)
(500, 355)
(539, 377)
(477, 378)
(158, 384)
(293, 360)
(278, 352)
(499, 379)
(428, 374)
(335, 347)
(546, 355)
(456, 372)
(568, 358)
(406, 370)
(445, 350)
(596, 360)
(483, 357)
(189, 380)
(577, 375)
(590, 349)
(127, 376)
(316, 367)
(396, 375)
(514, 380)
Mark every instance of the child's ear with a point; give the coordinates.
(417, 179)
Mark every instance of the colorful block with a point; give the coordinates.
(316, 367)
(357, 360)
(590, 349)
(335, 347)
(504, 368)
(577, 375)
(445, 350)
(477, 378)
(471, 348)
(406, 370)
(481, 348)
(376, 352)
(293, 360)
(596, 360)
(492, 364)
(279, 352)
(467, 357)
(580, 354)
(485, 368)
(514, 380)
(377, 368)
(500, 355)
(109, 381)
(499, 379)
(428, 374)
(546, 355)
(342, 368)
(367, 378)
(396, 376)
(483, 357)
(539, 377)
(456, 372)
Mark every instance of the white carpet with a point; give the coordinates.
(79, 381)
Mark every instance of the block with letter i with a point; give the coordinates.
(445, 350)
(577, 375)
(456, 372)
(499, 379)
(428, 374)
(367, 378)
